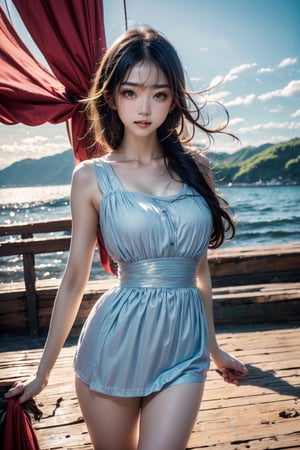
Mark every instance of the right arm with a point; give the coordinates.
(84, 208)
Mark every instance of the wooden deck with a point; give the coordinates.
(262, 414)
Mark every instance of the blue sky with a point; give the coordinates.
(254, 46)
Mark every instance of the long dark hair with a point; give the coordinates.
(136, 46)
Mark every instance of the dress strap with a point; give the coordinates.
(106, 177)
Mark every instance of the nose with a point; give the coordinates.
(144, 106)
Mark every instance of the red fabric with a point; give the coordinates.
(29, 93)
(71, 36)
(18, 431)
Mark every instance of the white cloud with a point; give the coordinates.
(287, 62)
(231, 75)
(227, 145)
(256, 142)
(16, 151)
(222, 144)
(236, 121)
(34, 140)
(236, 71)
(196, 79)
(274, 110)
(18, 142)
(271, 126)
(218, 96)
(296, 113)
(247, 100)
(216, 81)
(292, 88)
(265, 70)
(59, 137)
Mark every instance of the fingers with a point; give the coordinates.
(230, 368)
(233, 376)
(240, 367)
(237, 368)
(228, 376)
(236, 364)
(17, 389)
(25, 397)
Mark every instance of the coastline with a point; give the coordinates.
(259, 184)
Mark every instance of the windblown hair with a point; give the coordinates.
(146, 45)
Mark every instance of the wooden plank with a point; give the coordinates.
(250, 265)
(260, 414)
(41, 245)
(36, 227)
(278, 249)
(255, 269)
(247, 304)
(13, 310)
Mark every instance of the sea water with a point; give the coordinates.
(265, 215)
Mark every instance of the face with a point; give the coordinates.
(143, 100)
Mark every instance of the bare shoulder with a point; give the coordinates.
(203, 164)
(84, 171)
(84, 183)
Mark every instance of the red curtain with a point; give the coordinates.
(70, 34)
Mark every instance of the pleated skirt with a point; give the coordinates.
(137, 341)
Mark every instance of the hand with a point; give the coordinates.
(230, 368)
(27, 389)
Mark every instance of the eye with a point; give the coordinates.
(128, 93)
(161, 96)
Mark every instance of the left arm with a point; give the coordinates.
(231, 369)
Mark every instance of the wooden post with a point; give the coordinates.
(31, 295)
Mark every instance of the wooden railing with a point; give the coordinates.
(27, 246)
(244, 279)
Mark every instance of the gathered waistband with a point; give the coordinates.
(160, 272)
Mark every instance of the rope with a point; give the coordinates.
(125, 14)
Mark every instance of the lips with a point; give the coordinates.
(142, 123)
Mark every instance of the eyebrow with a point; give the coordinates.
(153, 86)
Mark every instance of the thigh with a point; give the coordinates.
(168, 417)
(112, 422)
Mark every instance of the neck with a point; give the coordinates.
(143, 150)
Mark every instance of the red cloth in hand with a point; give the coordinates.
(18, 431)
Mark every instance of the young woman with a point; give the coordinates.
(144, 351)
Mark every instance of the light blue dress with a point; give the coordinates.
(149, 332)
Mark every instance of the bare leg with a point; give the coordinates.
(168, 417)
(112, 422)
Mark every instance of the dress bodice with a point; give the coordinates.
(137, 226)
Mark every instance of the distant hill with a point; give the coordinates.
(50, 170)
(267, 164)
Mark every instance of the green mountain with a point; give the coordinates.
(267, 164)
(50, 170)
